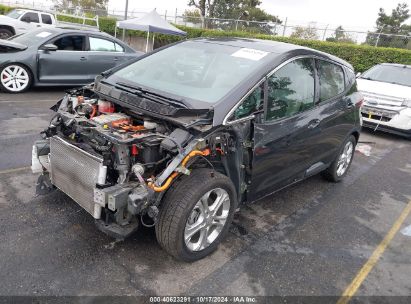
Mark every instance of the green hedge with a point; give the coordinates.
(4, 9)
(362, 57)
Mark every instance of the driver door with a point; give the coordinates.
(67, 65)
(285, 140)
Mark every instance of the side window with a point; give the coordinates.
(331, 79)
(102, 45)
(118, 47)
(30, 17)
(70, 43)
(46, 19)
(291, 89)
(254, 102)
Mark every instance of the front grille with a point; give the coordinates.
(74, 171)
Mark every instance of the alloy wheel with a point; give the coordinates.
(345, 158)
(207, 219)
(14, 78)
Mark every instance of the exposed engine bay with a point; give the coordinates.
(117, 163)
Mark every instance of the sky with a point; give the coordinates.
(357, 15)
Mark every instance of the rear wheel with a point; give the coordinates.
(342, 163)
(196, 214)
(5, 33)
(15, 78)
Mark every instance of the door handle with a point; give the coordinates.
(83, 58)
(116, 59)
(313, 123)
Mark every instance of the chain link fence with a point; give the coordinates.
(286, 28)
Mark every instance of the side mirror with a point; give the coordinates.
(358, 74)
(25, 19)
(50, 47)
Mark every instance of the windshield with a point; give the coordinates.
(36, 36)
(15, 14)
(194, 70)
(388, 73)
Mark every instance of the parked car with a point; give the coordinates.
(58, 57)
(182, 136)
(20, 21)
(387, 98)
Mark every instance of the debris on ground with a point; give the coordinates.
(363, 149)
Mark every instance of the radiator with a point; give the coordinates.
(76, 173)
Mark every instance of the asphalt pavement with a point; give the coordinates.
(311, 239)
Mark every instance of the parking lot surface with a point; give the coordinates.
(309, 239)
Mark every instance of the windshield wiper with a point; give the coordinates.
(158, 97)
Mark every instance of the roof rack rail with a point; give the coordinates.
(79, 25)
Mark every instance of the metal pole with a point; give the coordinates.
(325, 31)
(175, 17)
(165, 15)
(125, 18)
(148, 35)
(285, 26)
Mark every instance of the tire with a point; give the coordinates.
(182, 213)
(339, 167)
(15, 78)
(5, 33)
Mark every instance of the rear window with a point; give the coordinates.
(46, 19)
(331, 80)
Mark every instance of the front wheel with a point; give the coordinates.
(196, 214)
(5, 33)
(338, 169)
(15, 78)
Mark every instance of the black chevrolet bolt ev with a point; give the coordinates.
(180, 137)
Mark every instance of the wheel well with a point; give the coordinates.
(7, 27)
(356, 134)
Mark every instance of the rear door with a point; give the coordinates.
(335, 120)
(104, 54)
(284, 142)
(68, 65)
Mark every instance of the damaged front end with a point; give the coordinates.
(117, 162)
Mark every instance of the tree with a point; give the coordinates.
(340, 36)
(97, 6)
(387, 26)
(192, 16)
(308, 33)
(233, 9)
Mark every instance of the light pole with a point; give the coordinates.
(243, 13)
(379, 34)
(125, 18)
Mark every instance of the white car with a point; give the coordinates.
(20, 21)
(387, 98)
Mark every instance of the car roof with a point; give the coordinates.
(32, 10)
(271, 46)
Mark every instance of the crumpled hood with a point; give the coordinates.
(9, 44)
(384, 88)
